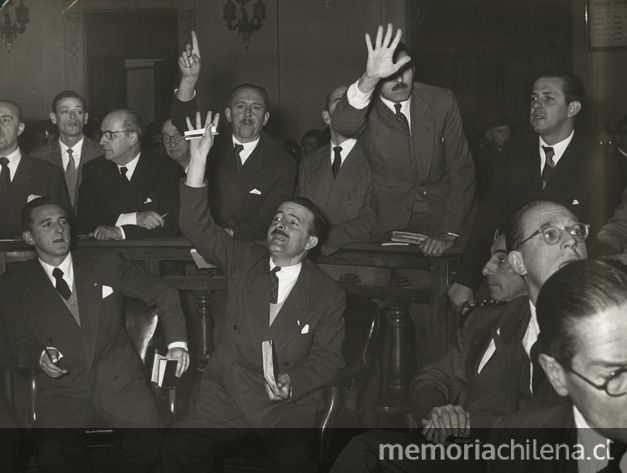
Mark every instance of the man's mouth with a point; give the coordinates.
(279, 233)
(399, 86)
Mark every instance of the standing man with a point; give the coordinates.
(423, 174)
(128, 193)
(250, 174)
(68, 326)
(22, 177)
(274, 293)
(72, 149)
(337, 178)
(556, 163)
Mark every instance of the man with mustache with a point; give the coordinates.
(274, 293)
(21, 176)
(250, 174)
(489, 373)
(72, 149)
(555, 163)
(422, 170)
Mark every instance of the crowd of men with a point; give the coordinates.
(550, 349)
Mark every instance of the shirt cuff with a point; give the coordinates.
(176, 90)
(356, 98)
(182, 345)
(126, 219)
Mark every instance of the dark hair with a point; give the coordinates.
(65, 95)
(320, 223)
(258, 88)
(28, 208)
(513, 229)
(621, 125)
(572, 86)
(18, 109)
(577, 291)
(402, 48)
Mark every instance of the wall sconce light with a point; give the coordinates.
(242, 23)
(10, 28)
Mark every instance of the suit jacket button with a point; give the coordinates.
(234, 326)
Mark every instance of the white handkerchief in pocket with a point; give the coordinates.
(106, 291)
(305, 329)
(32, 197)
(255, 191)
(148, 200)
(574, 202)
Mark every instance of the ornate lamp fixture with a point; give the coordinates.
(242, 23)
(9, 29)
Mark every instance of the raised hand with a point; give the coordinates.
(199, 148)
(380, 55)
(189, 60)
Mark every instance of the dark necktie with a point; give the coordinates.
(617, 450)
(5, 175)
(123, 172)
(337, 160)
(402, 119)
(61, 285)
(237, 149)
(549, 165)
(70, 175)
(537, 374)
(274, 285)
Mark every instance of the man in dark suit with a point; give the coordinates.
(583, 352)
(21, 176)
(489, 374)
(249, 173)
(63, 313)
(577, 174)
(423, 174)
(296, 306)
(337, 178)
(128, 193)
(72, 149)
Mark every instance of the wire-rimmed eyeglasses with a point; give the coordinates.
(108, 134)
(552, 234)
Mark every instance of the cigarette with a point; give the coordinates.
(199, 133)
(164, 215)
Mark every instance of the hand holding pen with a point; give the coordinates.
(50, 362)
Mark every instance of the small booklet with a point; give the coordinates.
(164, 372)
(408, 237)
(270, 364)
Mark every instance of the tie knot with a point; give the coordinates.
(397, 107)
(275, 270)
(123, 171)
(238, 148)
(57, 273)
(337, 149)
(70, 152)
(4, 161)
(548, 151)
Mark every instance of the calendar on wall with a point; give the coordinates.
(606, 24)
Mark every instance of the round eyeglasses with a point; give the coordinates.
(176, 138)
(614, 386)
(108, 134)
(552, 234)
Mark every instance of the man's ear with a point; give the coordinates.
(20, 128)
(266, 117)
(227, 114)
(53, 118)
(85, 118)
(28, 237)
(311, 242)
(326, 117)
(517, 263)
(573, 108)
(555, 373)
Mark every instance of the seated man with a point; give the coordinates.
(582, 314)
(21, 176)
(338, 180)
(128, 193)
(489, 374)
(274, 294)
(176, 147)
(63, 313)
(249, 173)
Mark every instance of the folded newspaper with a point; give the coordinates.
(164, 371)
(408, 237)
(270, 364)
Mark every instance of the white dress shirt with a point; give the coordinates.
(589, 439)
(347, 146)
(558, 149)
(76, 153)
(248, 149)
(14, 160)
(129, 218)
(287, 279)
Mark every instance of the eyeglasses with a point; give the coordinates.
(176, 138)
(552, 234)
(614, 386)
(108, 134)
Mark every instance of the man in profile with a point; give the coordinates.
(72, 149)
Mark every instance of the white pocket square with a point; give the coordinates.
(255, 191)
(32, 197)
(305, 329)
(106, 291)
(574, 202)
(148, 200)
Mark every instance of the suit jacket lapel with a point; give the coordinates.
(251, 173)
(257, 304)
(89, 295)
(293, 316)
(55, 154)
(421, 134)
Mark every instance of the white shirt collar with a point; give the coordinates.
(14, 160)
(530, 337)
(347, 146)
(558, 149)
(288, 275)
(76, 152)
(130, 166)
(248, 148)
(67, 266)
(589, 438)
(405, 107)
(624, 153)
